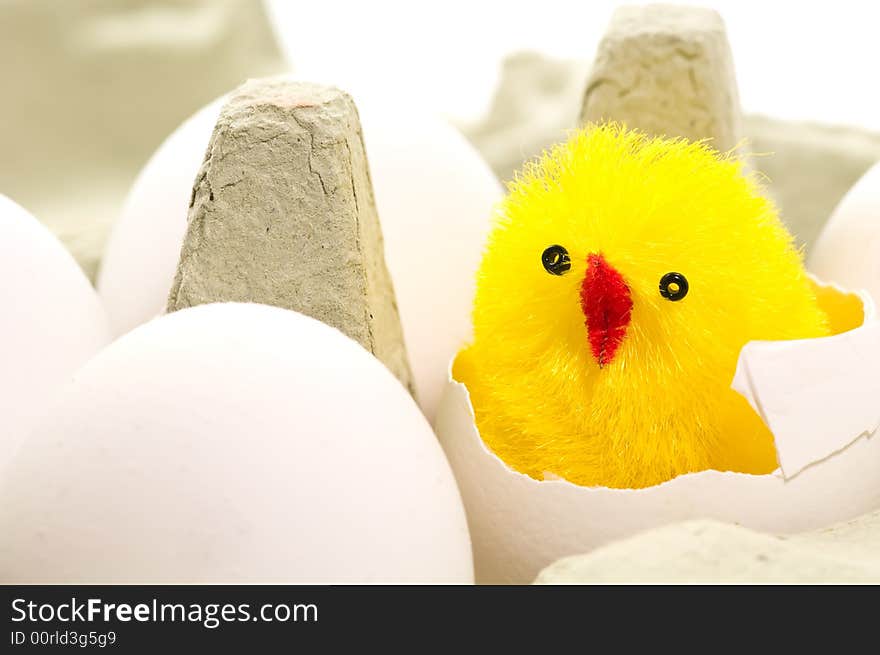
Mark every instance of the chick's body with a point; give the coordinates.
(621, 280)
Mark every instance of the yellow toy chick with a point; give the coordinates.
(622, 278)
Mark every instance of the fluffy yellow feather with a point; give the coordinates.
(622, 278)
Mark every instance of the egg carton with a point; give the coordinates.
(808, 167)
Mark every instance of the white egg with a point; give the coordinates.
(520, 525)
(848, 249)
(141, 255)
(435, 196)
(233, 443)
(52, 322)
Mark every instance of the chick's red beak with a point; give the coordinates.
(607, 306)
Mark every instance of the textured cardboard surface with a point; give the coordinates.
(90, 89)
(282, 214)
(807, 167)
(667, 70)
(712, 552)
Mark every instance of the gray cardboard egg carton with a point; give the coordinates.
(720, 553)
(669, 70)
(282, 213)
(91, 89)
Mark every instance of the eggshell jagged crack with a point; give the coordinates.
(520, 525)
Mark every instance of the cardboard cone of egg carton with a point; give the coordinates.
(667, 71)
(282, 213)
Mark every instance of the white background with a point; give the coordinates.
(796, 60)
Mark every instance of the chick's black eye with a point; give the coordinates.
(556, 260)
(673, 286)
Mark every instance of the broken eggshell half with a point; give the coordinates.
(819, 397)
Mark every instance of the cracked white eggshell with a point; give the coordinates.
(435, 196)
(519, 525)
(51, 322)
(233, 443)
(848, 249)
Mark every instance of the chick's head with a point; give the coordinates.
(622, 278)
